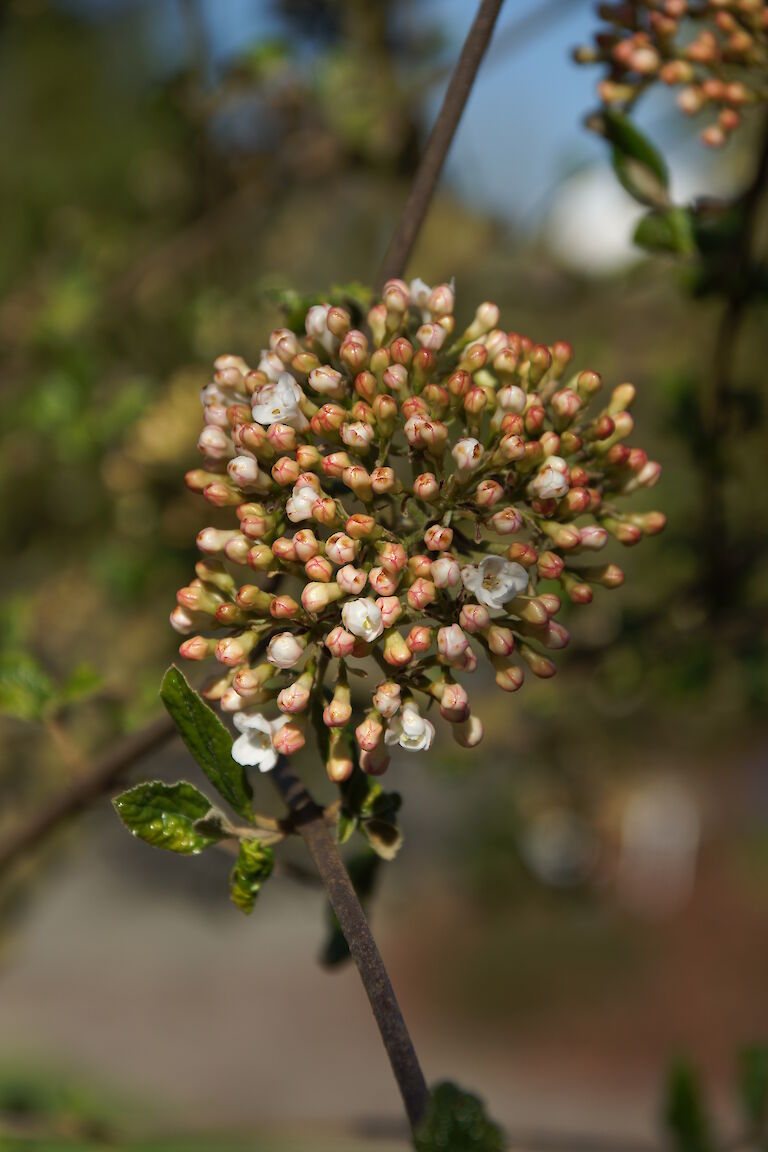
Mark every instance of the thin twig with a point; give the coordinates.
(311, 823)
(716, 398)
(440, 140)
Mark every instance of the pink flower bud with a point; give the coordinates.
(285, 650)
(339, 642)
(305, 544)
(440, 301)
(282, 437)
(467, 661)
(260, 557)
(426, 486)
(351, 580)
(338, 712)
(361, 527)
(212, 541)
(454, 704)
(500, 640)
(470, 733)
(214, 443)
(396, 652)
(283, 607)
(507, 521)
(382, 480)
(392, 557)
(421, 593)
(334, 464)
(550, 565)
(357, 435)
(445, 572)
(295, 697)
(327, 381)
(197, 648)
(288, 739)
(234, 650)
(593, 537)
(396, 295)
(316, 596)
(391, 610)
(340, 764)
(488, 493)
(285, 471)
(468, 453)
(318, 568)
(452, 643)
(386, 698)
(340, 548)
(419, 639)
(395, 379)
(374, 762)
(244, 471)
(511, 447)
(284, 548)
(369, 733)
(384, 583)
(419, 566)
(324, 511)
(438, 538)
(509, 677)
(474, 617)
(431, 336)
(357, 479)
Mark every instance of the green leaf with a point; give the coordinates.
(25, 689)
(685, 1113)
(638, 164)
(384, 837)
(456, 1120)
(753, 1086)
(670, 231)
(345, 826)
(166, 815)
(254, 865)
(208, 740)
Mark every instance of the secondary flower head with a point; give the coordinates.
(424, 500)
(714, 52)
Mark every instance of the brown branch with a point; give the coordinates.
(716, 397)
(440, 140)
(311, 823)
(82, 792)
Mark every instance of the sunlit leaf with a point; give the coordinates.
(254, 865)
(166, 815)
(208, 740)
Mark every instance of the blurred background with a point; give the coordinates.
(581, 901)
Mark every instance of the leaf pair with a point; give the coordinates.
(182, 819)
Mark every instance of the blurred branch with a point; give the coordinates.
(454, 102)
(82, 792)
(716, 399)
(311, 823)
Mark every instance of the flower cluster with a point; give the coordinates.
(406, 497)
(714, 51)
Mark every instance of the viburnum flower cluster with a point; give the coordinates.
(714, 51)
(409, 501)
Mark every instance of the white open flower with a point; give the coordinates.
(550, 481)
(467, 453)
(299, 505)
(271, 365)
(494, 581)
(278, 402)
(255, 748)
(316, 324)
(284, 650)
(420, 294)
(410, 729)
(363, 618)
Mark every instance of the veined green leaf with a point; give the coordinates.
(166, 815)
(254, 865)
(208, 740)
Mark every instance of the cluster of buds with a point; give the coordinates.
(406, 497)
(714, 51)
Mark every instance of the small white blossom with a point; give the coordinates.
(327, 381)
(494, 581)
(550, 482)
(255, 748)
(271, 365)
(278, 403)
(420, 294)
(299, 505)
(316, 324)
(284, 650)
(467, 453)
(511, 398)
(363, 618)
(445, 572)
(410, 729)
